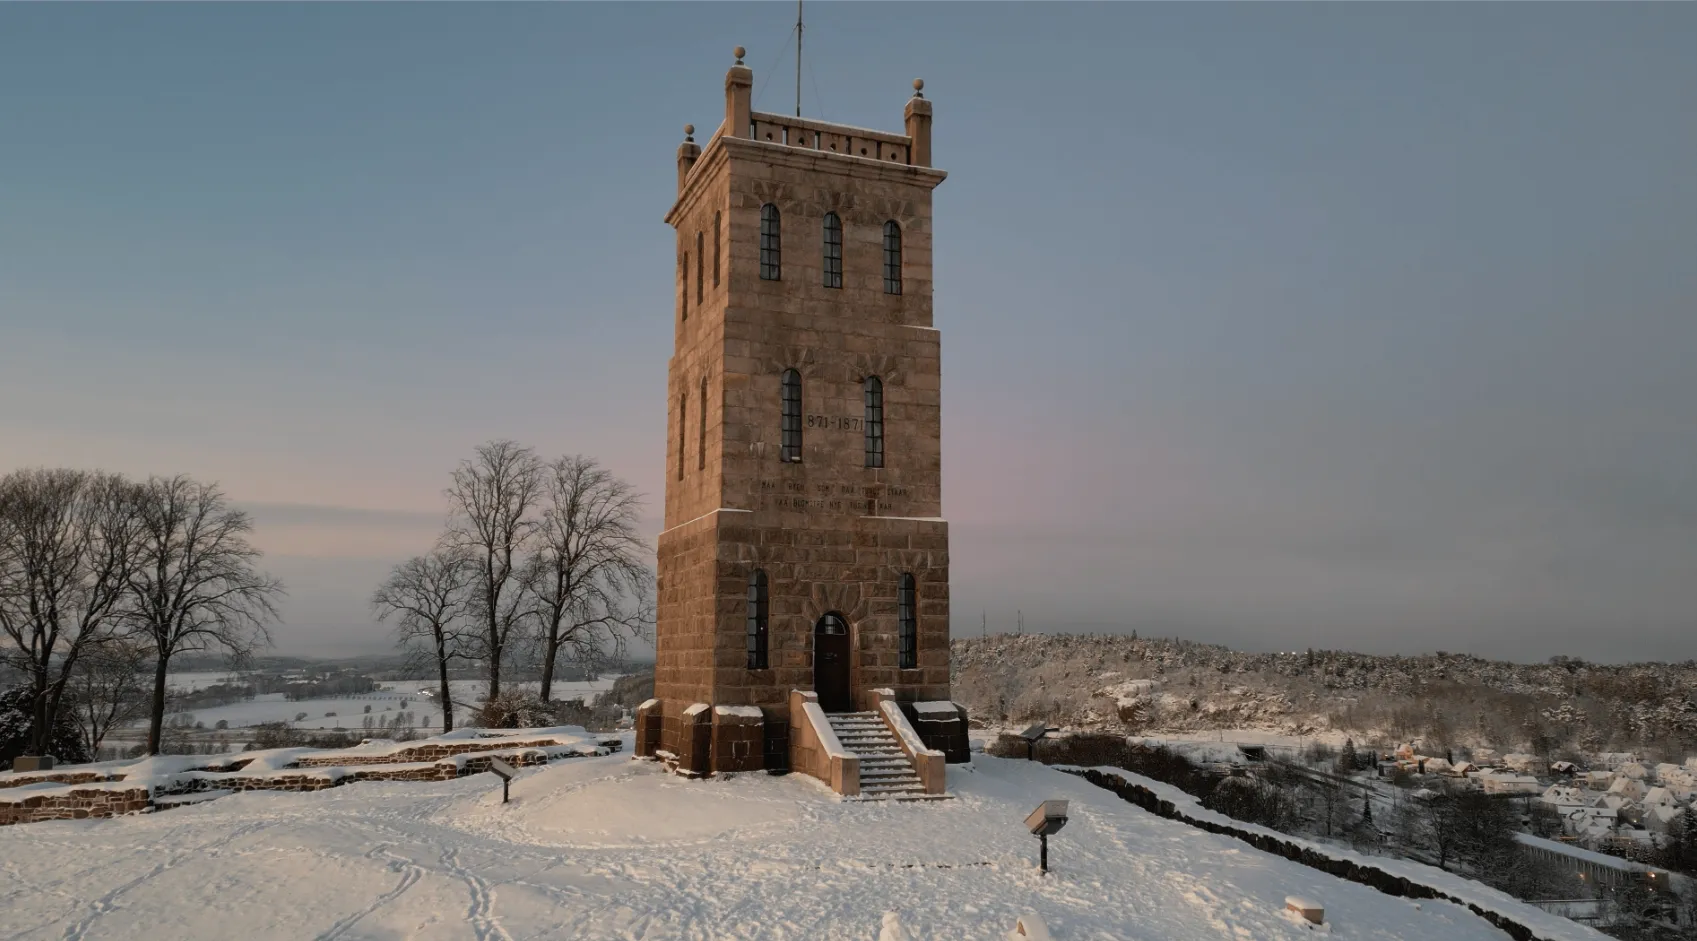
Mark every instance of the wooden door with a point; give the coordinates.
(831, 663)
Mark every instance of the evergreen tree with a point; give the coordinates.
(17, 726)
(1367, 811)
(1348, 761)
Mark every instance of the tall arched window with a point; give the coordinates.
(771, 256)
(701, 447)
(833, 251)
(683, 423)
(892, 258)
(907, 618)
(790, 444)
(716, 237)
(700, 262)
(874, 422)
(757, 620)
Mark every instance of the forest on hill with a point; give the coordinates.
(1562, 707)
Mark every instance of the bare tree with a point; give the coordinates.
(492, 501)
(67, 548)
(427, 597)
(588, 580)
(107, 688)
(195, 585)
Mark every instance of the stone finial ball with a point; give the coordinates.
(739, 52)
(689, 129)
(919, 84)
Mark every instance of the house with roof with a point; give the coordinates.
(1598, 780)
(1627, 787)
(1524, 763)
(1661, 819)
(1633, 770)
(1509, 783)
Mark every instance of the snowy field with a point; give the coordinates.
(614, 848)
(350, 710)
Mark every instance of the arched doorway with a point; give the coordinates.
(831, 663)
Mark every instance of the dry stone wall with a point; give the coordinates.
(314, 773)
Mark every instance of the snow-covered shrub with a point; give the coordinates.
(515, 709)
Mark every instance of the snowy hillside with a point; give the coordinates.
(1152, 685)
(616, 848)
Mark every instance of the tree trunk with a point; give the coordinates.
(156, 718)
(447, 696)
(548, 664)
(41, 719)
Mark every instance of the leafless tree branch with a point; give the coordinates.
(491, 503)
(427, 596)
(195, 585)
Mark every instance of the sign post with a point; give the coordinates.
(506, 773)
(1049, 817)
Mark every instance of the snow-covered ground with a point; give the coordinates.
(615, 848)
(350, 710)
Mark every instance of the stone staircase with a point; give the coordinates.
(885, 770)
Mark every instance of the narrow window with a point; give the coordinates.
(908, 624)
(685, 278)
(892, 258)
(700, 261)
(874, 422)
(833, 251)
(716, 237)
(757, 620)
(683, 409)
(790, 449)
(701, 448)
(770, 255)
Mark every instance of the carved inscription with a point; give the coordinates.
(835, 423)
(828, 498)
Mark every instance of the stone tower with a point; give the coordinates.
(804, 546)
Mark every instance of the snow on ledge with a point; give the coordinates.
(1297, 901)
(742, 712)
(648, 704)
(910, 739)
(822, 728)
(696, 709)
(936, 708)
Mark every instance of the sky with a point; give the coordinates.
(1364, 326)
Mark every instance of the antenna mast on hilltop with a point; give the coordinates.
(798, 58)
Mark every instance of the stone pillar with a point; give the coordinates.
(918, 115)
(739, 739)
(648, 725)
(941, 728)
(739, 95)
(687, 152)
(695, 741)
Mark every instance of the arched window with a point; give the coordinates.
(790, 443)
(907, 618)
(716, 237)
(700, 262)
(771, 256)
(892, 258)
(758, 608)
(683, 422)
(701, 448)
(833, 251)
(874, 422)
